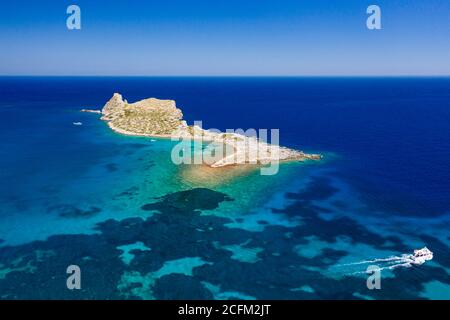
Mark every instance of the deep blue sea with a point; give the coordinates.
(141, 227)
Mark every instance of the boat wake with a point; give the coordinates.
(419, 257)
(393, 261)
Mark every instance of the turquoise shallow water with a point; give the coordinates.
(141, 227)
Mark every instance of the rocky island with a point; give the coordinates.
(161, 118)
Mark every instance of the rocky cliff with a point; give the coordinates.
(151, 117)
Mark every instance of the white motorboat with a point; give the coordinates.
(421, 255)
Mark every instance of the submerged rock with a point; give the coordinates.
(188, 201)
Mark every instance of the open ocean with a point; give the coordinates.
(140, 227)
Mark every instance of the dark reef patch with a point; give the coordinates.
(180, 231)
(71, 211)
(129, 193)
(148, 165)
(111, 167)
(175, 286)
(189, 201)
(339, 204)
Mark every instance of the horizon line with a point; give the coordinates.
(232, 76)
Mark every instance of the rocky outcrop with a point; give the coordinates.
(114, 108)
(151, 117)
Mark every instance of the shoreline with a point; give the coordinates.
(170, 137)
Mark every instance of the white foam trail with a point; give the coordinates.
(390, 259)
(419, 257)
(389, 263)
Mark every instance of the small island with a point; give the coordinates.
(161, 118)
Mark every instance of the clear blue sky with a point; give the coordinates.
(230, 37)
